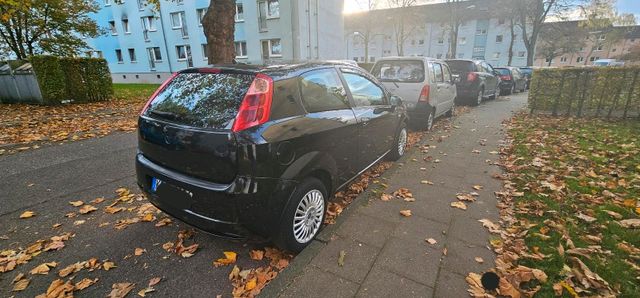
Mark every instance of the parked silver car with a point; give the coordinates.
(424, 84)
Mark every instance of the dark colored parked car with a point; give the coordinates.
(511, 80)
(475, 80)
(527, 72)
(237, 150)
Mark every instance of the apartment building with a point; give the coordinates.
(145, 45)
(594, 46)
(483, 34)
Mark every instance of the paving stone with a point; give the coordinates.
(382, 283)
(358, 260)
(451, 285)
(417, 229)
(377, 230)
(389, 211)
(317, 283)
(416, 261)
(461, 256)
(468, 229)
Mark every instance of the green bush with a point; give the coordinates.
(593, 91)
(77, 79)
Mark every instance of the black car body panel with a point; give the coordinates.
(235, 183)
(511, 79)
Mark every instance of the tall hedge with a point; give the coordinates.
(76, 79)
(609, 92)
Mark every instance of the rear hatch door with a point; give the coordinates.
(187, 126)
(404, 78)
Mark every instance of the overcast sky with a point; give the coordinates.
(624, 6)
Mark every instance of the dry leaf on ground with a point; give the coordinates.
(256, 255)
(27, 214)
(76, 203)
(120, 290)
(405, 213)
(229, 258)
(459, 205)
(431, 241)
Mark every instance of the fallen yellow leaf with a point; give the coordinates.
(229, 258)
(27, 214)
(108, 265)
(459, 205)
(76, 203)
(43, 268)
(20, 285)
(251, 284)
(405, 213)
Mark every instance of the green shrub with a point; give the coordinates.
(77, 79)
(594, 91)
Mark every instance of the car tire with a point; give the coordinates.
(431, 118)
(309, 203)
(514, 90)
(449, 113)
(478, 98)
(400, 143)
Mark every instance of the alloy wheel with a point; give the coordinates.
(479, 99)
(308, 216)
(430, 121)
(402, 141)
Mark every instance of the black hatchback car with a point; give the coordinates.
(476, 81)
(236, 150)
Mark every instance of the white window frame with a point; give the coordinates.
(200, 12)
(126, 27)
(112, 27)
(107, 2)
(271, 54)
(563, 59)
(579, 59)
(178, 52)
(204, 51)
(133, 59)
(155, 57)
(238, 20)
(269, 15)
(149, 23)
(179, 14)
(243, 55)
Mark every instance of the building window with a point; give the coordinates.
(599, 48)
(463, 40)
(547, 60)
(181, 52)
(205, 50)
(107, 2)
(112, 27)
(372, 59)
(180, 2)
(499, 38)
(156, 55)
(481, 31)
(441, 40)
(421, 42)
(594, 58)
(355, 59)
(274, 47)
(273, 9)
(125, 26)
(521, 54)
(579, 59)
(239, 12)
(241, 49)
(581, 49)
(141, 4)
(496, 55)
(132, 55)
(563, 59)
(149, 23)
(478, 49)
(119, 55)
(176, 20)
(439, 56)
(201, 12)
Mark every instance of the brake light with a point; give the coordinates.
(164, 85)
(256, 105)
(424, 93)
(505, 78)
(472, 76)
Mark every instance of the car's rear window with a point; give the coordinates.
(503, 71)
(202, 100)
(459, 66)
(408, 71)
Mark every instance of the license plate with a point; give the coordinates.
(155, 182)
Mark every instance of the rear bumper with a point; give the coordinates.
(419, 112)
(466, 92)
(235, 210)
(506, 85)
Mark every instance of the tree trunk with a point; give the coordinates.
(511, 41)
(453, 42)
(219, 25)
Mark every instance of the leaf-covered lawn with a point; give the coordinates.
(572, 196)
(24, 126)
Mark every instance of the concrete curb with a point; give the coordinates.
(303, 259)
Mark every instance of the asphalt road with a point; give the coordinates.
(46, 179)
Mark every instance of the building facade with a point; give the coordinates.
(483, 34)
(145, 45)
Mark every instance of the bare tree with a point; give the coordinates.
(405, 23)
(455, 20)
(532, 15)
(364, 23)
(559, 39)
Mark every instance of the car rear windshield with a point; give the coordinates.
(503, 71)
(408, 71)
(460, 66)
(202, 100)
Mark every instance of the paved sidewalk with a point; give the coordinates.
(386, 253)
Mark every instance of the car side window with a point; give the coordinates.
(322, 90)
(447, 73)
(437, 72)
(488, 68)
(363, 90)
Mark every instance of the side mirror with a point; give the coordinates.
(395, 100)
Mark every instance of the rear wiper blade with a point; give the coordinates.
(166, 115)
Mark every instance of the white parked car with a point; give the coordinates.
(424, 84)
(607, 62)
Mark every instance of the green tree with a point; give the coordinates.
(31, 27)
(559, 39)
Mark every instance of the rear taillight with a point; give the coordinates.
(256, 105)
(164, 84)
(424, 93)
(505, 78)
(472, 76)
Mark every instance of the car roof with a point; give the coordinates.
(421, 58)
(278, 71)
